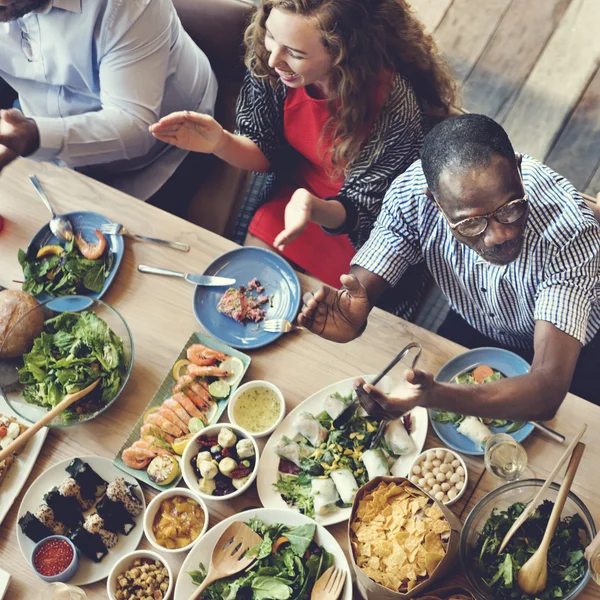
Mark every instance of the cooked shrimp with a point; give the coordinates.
(151, 443)
(91, 251)
(135, 460)
(166, 425)
(177, 409)
(174, 419)
(197, 394)
(188, 405)
(207, 371)
(148, 429)
(198, 354)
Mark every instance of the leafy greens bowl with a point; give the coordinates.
(83, 339)
(495, 577)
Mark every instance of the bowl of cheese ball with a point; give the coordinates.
(441, 473)
(220, 462)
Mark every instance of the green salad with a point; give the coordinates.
(566, 563)
(63, 271)
(73, 350)
(288, 563)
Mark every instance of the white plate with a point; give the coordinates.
(4, 582)
(89, 571)
(202, 551)
(269, 461)
(19, 471)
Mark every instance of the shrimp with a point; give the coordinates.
(151, 443)
(148, 429)
(91, 251)
(188, 405)
(174, 419)
(135, 460)
(207, 371)
(196, 393)
(166, 425)
(198, 354)
(177, 409)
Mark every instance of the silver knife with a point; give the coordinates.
(206, 280)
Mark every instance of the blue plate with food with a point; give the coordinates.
(468, 434)
(266, 288)
(86, 265)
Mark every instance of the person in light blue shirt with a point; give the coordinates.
(91, 77)
(514, 249)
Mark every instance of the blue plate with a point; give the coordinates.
(507, 363)
(243, 264)
(85, 223)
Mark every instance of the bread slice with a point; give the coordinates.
(5, 464)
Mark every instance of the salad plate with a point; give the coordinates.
(268, 472)
(201, 553)
(86, 223)
(276, 276)
(504, 362)
(88, 571)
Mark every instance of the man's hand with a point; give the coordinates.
(298, 214)
(417, 389)
(19, 136)
(336, 315)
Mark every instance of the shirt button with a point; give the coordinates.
(492, 315)
(483, 289)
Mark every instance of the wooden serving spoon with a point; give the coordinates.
(533, 575)
(229, 554)
(33, 429)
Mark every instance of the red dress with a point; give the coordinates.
(318, 253)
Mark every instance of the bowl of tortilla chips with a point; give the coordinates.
(402, 539)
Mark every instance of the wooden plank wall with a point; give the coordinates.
(533, 65)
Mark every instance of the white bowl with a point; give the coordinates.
(153, 509)
(249, 386)
(420, 458)
(126, 562)
(193, 448)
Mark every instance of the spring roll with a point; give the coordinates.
(325, 496)
(345, 484)
(310, 428)
(397, 438)
(376, 463)
(475, 430)
(335, 404)
(292, 451)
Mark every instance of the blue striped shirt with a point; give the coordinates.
(556, 278)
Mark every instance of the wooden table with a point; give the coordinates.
(159, 313)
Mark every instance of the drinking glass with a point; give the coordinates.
(505, 458)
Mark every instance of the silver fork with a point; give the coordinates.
(118, 229)
(280, 326)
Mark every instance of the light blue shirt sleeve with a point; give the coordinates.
(133, 66)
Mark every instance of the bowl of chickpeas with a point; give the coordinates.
(441, 473)
(140, 574)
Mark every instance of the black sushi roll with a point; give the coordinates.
(95, 524)
(89, 544)
(66, 509)
(115, 517)
(33, 528)
(90, 483)
(69, 487)
(46, 516)
(121, 491)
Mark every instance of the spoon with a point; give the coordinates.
(230, 554)
(533, 575)
(31, 431)
(60, 226)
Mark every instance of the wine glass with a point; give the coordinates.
(505, 458)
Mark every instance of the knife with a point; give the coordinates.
(207, 280)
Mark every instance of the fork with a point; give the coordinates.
(330, 585)
(280, 326)
(118, 229)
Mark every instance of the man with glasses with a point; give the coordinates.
(514, 249)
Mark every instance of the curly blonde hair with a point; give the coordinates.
(365, 38)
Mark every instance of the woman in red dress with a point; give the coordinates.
(335, 104)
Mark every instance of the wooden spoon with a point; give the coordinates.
(229, 554)
(533, 575)
(33, 429)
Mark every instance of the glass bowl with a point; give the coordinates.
(12, 389)
(500, 499)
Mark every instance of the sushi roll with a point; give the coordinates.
(69, 487)
(89, 544)
(46, 516)
(66, 508)
(95, 524)
(33, 528)
(115, 517)
(121, 491)
(90, 483)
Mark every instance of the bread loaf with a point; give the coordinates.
(13, 306)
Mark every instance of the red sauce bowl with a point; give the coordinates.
(55, 558)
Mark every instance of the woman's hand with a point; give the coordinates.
(190, 131)
(298, 214)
